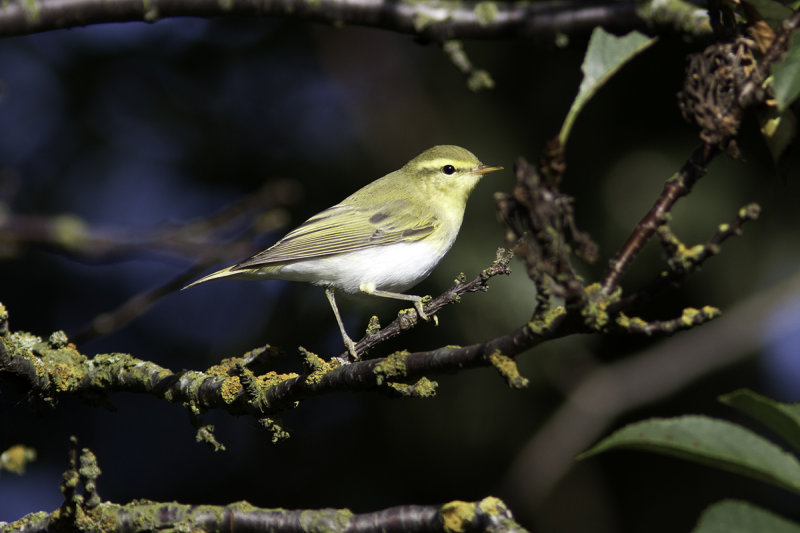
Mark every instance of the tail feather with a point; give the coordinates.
(224, 273)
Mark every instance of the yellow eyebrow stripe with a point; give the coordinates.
(439, 163)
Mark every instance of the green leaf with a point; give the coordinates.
(786, 75)
(779, 130)
(772, 12)
(782, 418)
(710, 441)
(605, 55)
(731, 516)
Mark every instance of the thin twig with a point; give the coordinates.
(676, 187)
(407, 320)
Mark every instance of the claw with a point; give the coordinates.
(420, 312)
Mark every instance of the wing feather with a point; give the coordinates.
(344, 228)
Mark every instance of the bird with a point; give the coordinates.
(381, 240)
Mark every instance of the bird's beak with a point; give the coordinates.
(485, 169)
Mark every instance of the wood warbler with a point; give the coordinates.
(380, 240)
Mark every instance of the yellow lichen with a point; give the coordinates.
(316, 366)
(272, 378)
(544, 323)
(492, 505)
(508, 369)
(393, 366)
(627, 322)
(230, 389)
(457, 516)
(423, 388)
(595, 312)
(16, 458)
(224, 367)
(374, 325)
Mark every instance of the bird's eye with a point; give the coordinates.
(448, 169)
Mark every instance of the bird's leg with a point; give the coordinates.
(351, 346)
(369, 288)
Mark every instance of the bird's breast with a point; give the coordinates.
(393, 267)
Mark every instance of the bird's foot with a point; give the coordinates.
(423, 315)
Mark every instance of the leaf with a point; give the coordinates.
(710, 441)
(786, 75)
(779, 130)
(732, 516)
(605, 55)
(771, 11)
(782, 418)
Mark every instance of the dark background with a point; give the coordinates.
(131, 127)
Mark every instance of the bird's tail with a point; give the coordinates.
(224, 273)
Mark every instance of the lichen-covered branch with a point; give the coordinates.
(83, 511)
(430, 19)
(52, 368)
(684, 260)
(486, 515)
(49, 369)
(675, 188)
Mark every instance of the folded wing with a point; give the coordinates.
(344, 228)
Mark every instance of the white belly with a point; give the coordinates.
(395, 267)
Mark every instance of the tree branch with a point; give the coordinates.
(430, 19)
(487, 515)
(52, 368)
(674, 189)
(84, 511)
(408, 319)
